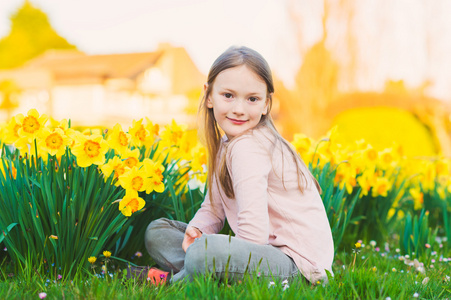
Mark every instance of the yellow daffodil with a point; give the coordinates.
(302, 144)
(441, 192)
(399, 149)
(134, 179)
(428, 175)
(387, 159)
(172, 134)
(442, 167)
(130, 158)
(333, 134)
(366, 181)
(381, 187)
(31, 124)
(345, 176)
(154, 129)
(12, 131)
(154, 172)
(175, 143)
(118, 139)
(140, 136)
(90, 150)
(187, 142)
(322, 154)
(417, 197)
(64, 126)
(23, 145)
(53, 142)
(448, 185)
(361, 144)
(371, 154)
(199, 159)
(131, 203)
(115, 165)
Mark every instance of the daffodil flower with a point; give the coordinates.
(115, 165)
(131, 203)
(53, 142)
(118, 139)
(90, 150)
(31, 124)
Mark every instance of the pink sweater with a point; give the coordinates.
(266, 211)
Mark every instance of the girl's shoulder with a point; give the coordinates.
(260, 134)
(254, 140)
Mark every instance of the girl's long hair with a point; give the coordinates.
(234, 57)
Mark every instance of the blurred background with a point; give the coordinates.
(380, 70)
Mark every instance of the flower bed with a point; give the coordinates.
(68, 195)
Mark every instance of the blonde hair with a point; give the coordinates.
(234, 57)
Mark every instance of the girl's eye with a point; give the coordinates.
(253, 99)
(228, 95)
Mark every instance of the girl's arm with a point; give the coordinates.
(249, 165)
(210, 217)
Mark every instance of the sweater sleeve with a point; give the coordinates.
(249, 165)
(210, 217)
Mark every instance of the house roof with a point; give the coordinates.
(74, 64)
(71, 67)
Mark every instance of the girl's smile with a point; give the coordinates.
(238, 99)
(237, 122)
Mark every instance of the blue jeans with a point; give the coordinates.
(214, 253)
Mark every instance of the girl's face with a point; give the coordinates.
(238, 99)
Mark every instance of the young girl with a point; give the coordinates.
(256, 181)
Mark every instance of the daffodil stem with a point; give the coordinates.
(123, 260)
(106, 270)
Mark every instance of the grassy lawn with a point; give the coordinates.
(369, 274)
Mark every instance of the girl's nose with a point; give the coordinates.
(238, 106)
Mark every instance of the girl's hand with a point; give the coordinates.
(191, 233)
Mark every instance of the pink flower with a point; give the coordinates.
(59, 277)
(42, 295)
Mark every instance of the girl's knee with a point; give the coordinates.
(196, 251)
(158, 223)
(152, 234)
(154, 226)
(208, 253)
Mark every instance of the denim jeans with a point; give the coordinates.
(214, 253)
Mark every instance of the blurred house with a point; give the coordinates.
(108, 89)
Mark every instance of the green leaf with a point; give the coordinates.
(8, 229)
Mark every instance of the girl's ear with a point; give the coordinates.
(208, 100)
(265, 109)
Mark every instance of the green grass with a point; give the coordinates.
(366, 275)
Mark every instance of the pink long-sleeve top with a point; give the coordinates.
(267, 209)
